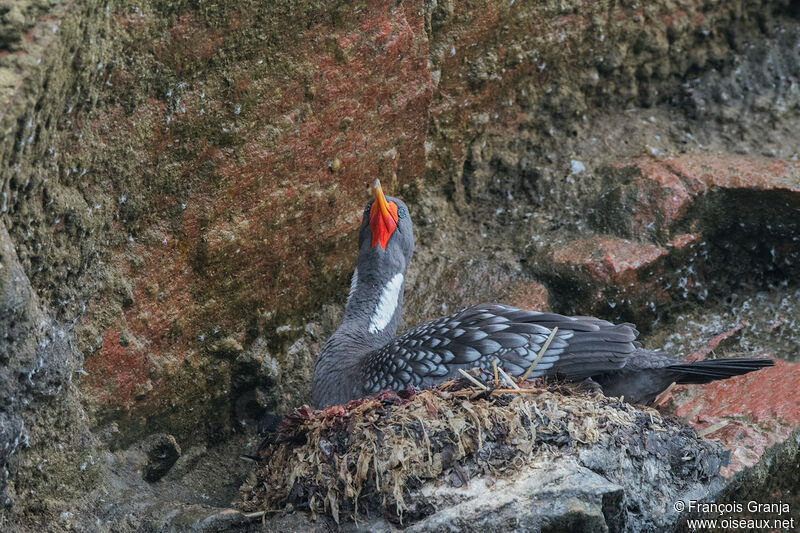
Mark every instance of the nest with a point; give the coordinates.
(368, 456)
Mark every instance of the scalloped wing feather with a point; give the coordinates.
(476, 336)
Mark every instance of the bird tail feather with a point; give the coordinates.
(710, 370)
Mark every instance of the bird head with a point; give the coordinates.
(386, 230)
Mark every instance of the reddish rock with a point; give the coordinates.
(663, 190)
(699, 172)
(607, 259)
(608, 276)
(746, 208)
(526, 295)
(759, 410)
(679, 241)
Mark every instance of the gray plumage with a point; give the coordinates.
(357, 362)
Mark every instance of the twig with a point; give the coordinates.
(694, 413)
(447, 383)
(496, 392)
(507, 378)
(707, 348)
(496, 381)
(473, 380)
(541, 354)
(663, 395)
(712, 428)
(775, 325)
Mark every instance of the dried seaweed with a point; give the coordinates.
(372, 451)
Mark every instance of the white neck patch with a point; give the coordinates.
(386, 305)
(353, 285)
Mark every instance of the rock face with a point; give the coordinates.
(180, 185)
(40, 406)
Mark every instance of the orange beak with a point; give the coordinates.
(382, 217)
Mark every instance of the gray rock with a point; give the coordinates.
(630, 486)
(162, 452)
(560, 496)
(36, 362)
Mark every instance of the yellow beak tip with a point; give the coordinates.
(380, 199)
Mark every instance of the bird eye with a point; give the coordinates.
(401, 212)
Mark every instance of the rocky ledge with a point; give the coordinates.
(453, 459)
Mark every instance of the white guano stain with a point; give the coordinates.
(386, 305)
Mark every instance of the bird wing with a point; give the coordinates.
(476, 336)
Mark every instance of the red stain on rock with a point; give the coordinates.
(270, 209)
(675, 18)
(121, 363)
(761, 409)
(189, 42)
(621, 278)
(154, 329)
(602, 273)
(308, 189)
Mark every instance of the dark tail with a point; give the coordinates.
(714, 369)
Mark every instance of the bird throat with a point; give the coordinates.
(373, 306)
(387, 304)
